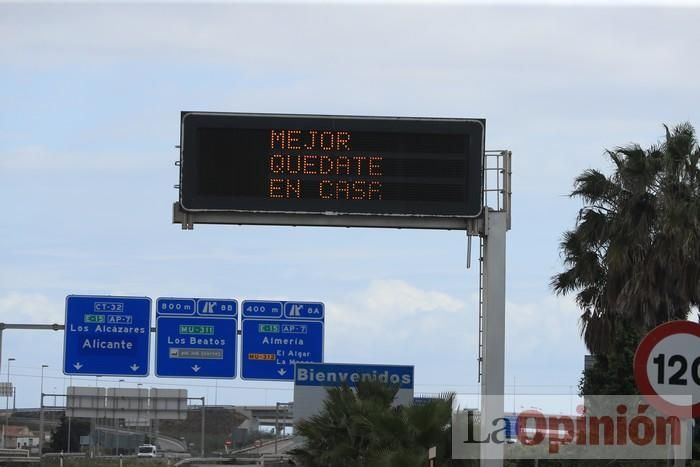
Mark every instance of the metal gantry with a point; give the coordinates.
(491, 228)
(497, 199)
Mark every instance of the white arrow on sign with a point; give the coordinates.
(77, 365)
(134, 367)
(282, 371)
(196, 368)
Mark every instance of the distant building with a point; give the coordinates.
(21, 437)
(588, 361)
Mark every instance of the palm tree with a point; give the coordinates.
(360, 427)
(633, 258)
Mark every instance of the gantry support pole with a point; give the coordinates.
(493, 379)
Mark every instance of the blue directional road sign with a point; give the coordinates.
(107, 335)
(196, 337)
(276, 335)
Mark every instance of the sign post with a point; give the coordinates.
(107, 336)
(196, 337)
(432, 454)
(493, 378)
(276, 335)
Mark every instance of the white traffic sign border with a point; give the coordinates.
(641, 374)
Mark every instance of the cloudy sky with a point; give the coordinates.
(91, 96)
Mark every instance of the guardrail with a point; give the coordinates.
(206, 460)
(17, 456)
(5, 452)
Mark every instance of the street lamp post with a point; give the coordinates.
(115, 421)
(138, 408)
(42, 379)
(7, 401)
(7, 404)
(285, 405)
(277, 423)
(70, 390)
(41, 415)
(94, 441)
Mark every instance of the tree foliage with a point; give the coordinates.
(633, 258)
(360, 427)
(59, 436)
(612, 372)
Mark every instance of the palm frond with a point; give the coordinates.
(633, 258)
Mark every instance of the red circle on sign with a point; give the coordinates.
(641, 357)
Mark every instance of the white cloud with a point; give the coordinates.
(398, 297)
(455, 45)
(526, 321)
(389, 300)
(41, 158)
(544, 351)
(393, 321)
(21, 308)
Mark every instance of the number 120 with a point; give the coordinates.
(678, 378)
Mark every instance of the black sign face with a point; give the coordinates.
(266, 163)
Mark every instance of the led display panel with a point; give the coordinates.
(312, 164)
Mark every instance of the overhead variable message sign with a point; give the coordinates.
(196, 337)
(331, 165)
(277, 335)
(106, 335)
(667, 368)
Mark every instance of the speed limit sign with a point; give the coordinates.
(667, 367)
